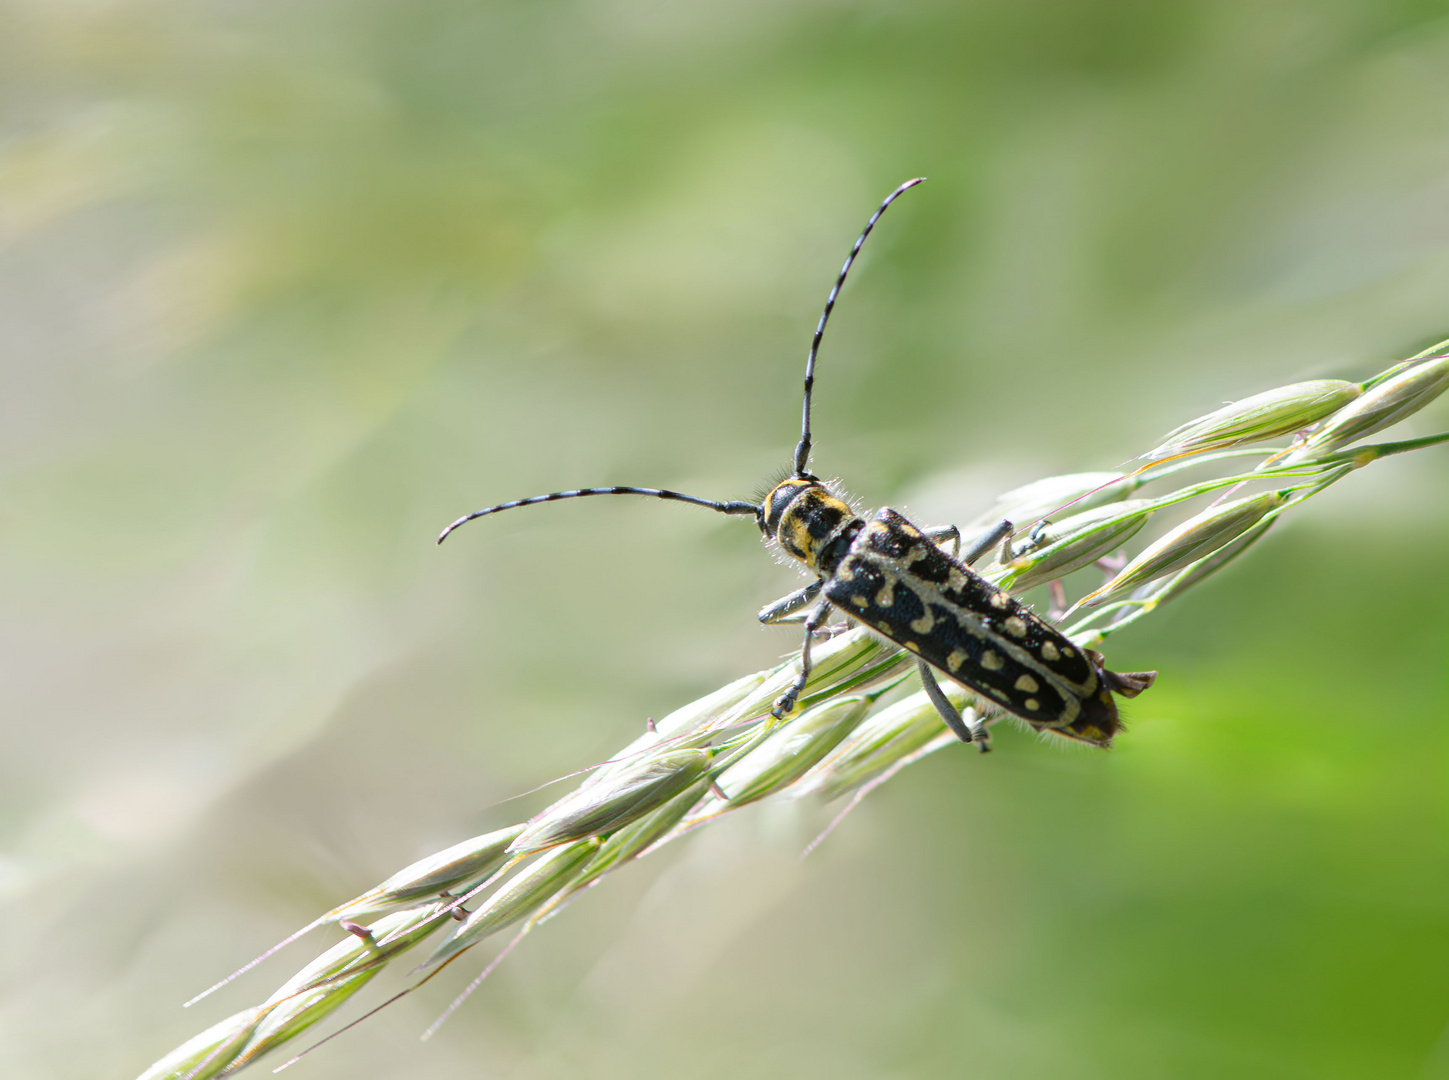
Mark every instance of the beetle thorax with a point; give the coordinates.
(809, 523)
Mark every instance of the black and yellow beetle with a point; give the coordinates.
(895, 579)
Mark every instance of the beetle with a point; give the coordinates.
(894, 578)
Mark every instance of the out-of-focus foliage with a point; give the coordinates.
(286, 287)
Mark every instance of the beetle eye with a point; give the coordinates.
(776, 504)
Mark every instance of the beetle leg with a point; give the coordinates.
(1000, 533)
(966, 732)
(783, 608)
(1128, 683)
(1034, 538)
(939, 534)
(785, 703)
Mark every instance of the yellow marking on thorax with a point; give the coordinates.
(824, 498)
(800, 539)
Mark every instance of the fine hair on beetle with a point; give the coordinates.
(895, 579)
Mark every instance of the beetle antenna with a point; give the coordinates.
(802, 450)
(733, 507)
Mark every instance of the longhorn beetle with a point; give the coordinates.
(894, 578)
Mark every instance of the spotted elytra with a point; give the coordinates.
(894, 578)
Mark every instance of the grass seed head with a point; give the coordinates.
(1211, 564)
(619, 847)
(1435, 350)
(1026, 504)
(698, 716)
(519, 897)
(1076, 541)
(359, 953)
(624, 797)
(1192, 540)
(1262, 416)
(1386, 403)
(453, 868)
(206, 1055)
(793, 750)
(885, 738)
(288, 1018)
(840, 662)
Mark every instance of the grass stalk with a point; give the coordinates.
(853, 731)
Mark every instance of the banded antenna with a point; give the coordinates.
(802, 450)
(733, 507)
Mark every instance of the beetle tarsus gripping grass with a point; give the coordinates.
(894, 578)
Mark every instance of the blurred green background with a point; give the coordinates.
(286, 287)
